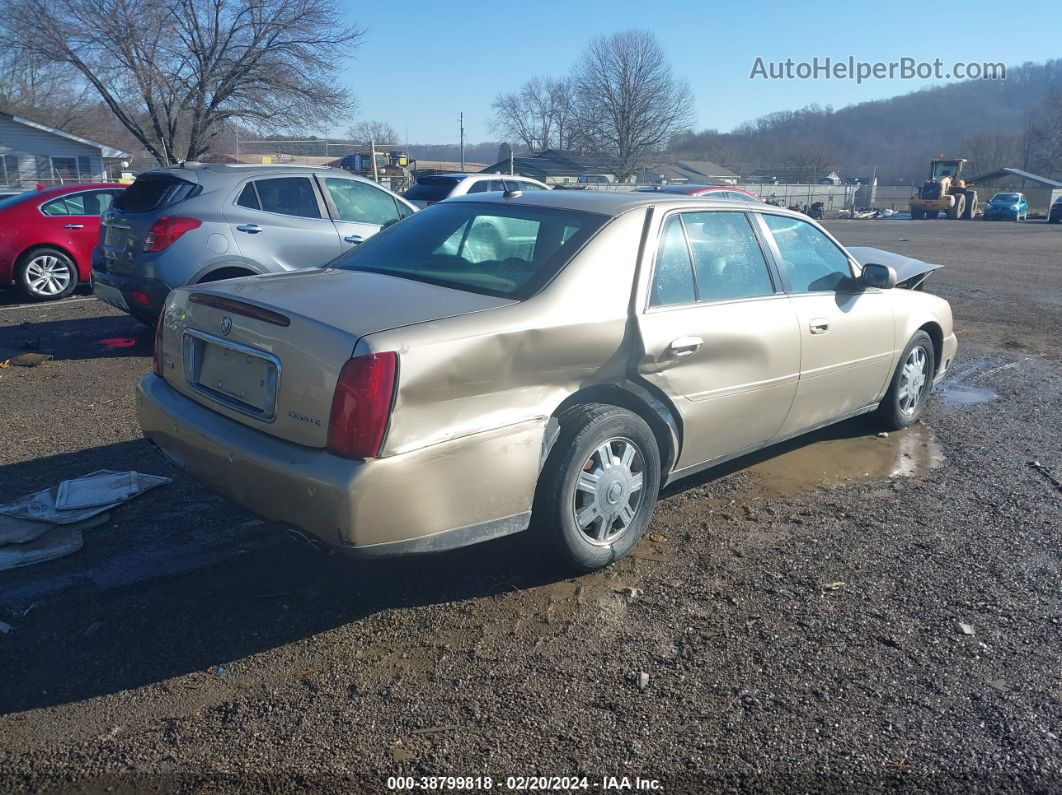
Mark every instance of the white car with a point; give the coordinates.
(433, 188)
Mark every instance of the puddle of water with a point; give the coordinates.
(827, 461)
(958, 394)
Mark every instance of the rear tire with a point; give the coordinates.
(956, 210)
(971, 205)
(599, 486)
(46, 274)
(911, 383)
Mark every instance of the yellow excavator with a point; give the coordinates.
(945, 192)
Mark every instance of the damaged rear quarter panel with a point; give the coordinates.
(505, 370)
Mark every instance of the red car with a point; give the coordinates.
(724, 192)
(47, 237)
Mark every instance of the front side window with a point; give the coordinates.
(673, 274)
(360, 203)
(727, 257)
(813, 262)
(288, 196)
(507, 251)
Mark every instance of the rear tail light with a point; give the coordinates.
(140, 297)
(166, 230)
(361, 405)
(156, 361)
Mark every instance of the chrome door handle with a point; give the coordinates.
(355, 239)
(684, 346)
(252, 229)
(73, 226)
(819, 325)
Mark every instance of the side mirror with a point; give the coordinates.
(881, 276)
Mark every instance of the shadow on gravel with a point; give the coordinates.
(138, 607)
(87, 338)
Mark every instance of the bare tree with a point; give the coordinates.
(539, 115)
(1050, 135)
(989, 151)
(381, 132)
(174, 71)
(627, 100)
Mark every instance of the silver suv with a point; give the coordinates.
(200, 222)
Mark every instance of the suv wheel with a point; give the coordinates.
(45, 274)
(599, 486)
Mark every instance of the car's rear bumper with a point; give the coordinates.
(136, 295)
(452, 494)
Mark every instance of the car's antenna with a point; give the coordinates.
(511, 193)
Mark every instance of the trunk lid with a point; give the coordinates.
(266, 351)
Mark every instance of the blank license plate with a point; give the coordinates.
(244, 378)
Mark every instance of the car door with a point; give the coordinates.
(847, 332)
(77, 216)
(280, 224)
(719, 335)
(360, 210)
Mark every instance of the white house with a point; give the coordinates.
(33, 154)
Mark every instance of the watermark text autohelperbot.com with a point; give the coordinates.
(860, 71)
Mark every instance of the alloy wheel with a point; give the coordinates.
(913, 380)
(609, 491)
(47, 275)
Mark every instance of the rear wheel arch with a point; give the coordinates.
(225, 272)
(656, 410)
(27, 253)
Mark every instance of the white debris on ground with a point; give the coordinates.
(48, 524)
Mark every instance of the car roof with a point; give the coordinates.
(231, 172)
(615, 203)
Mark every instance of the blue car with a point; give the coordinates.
(1007, 206)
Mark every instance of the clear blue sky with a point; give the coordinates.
(423, 61)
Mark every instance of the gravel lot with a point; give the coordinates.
(797, 613)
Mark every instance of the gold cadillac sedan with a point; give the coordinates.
(501, 362)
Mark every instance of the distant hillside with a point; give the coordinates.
(1007, 120)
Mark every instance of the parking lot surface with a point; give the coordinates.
(797, 613)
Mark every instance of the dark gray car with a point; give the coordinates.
(205, 222)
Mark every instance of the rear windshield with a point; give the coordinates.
(153, 192)
(431, 189)
(494, 249)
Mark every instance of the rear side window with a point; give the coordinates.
(360, 203)
(94, 202)
(727, 257)
(431, 189)
(288, 196)
(153, 192)
(249, 197)
(673, 275)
